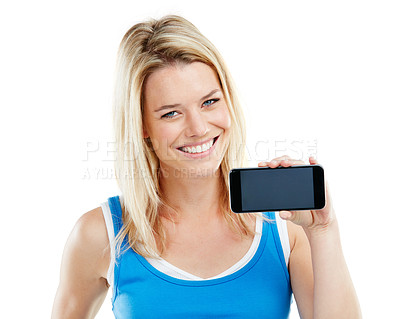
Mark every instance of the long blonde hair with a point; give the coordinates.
(145, 48)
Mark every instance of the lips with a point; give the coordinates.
(198, 144)
(199, 154)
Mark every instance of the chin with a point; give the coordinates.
(205, 169)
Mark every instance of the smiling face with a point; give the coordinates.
(186, 118)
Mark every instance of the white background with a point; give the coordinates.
(314, 77)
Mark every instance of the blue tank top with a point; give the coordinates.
(260, 289)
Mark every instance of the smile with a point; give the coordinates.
(200, 148)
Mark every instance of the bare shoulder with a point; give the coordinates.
(300, 269)
(83, 285)
(92, 224)
(90, 233)
(295, 233)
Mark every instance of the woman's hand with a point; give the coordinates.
(318, 271)
(311, 220)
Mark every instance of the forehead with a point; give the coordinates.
(180, 83)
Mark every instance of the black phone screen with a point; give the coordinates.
(272, 189)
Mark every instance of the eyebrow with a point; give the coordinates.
(170, 106)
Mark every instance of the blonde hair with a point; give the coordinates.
(145, 48)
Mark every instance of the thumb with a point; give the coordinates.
(300, 218)
(285, 214)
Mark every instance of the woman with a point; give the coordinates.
(180, 252)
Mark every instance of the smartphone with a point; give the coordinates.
(264, 189)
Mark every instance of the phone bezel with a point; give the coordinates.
(235, 196)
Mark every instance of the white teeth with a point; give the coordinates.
(198, 148)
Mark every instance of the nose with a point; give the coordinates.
(197, 124)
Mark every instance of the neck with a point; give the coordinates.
(194, 198)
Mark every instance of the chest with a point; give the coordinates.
(206, 254)
(260, 290)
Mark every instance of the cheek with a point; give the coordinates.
(164, 134)
(222, 118)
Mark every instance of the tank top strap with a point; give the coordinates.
(278, 243)
(116, 213)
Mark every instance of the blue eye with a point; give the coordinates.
(206, 103)
(168, 116)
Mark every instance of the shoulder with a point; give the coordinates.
(300, 263)
(84, 265)
(91, 228)
(89, 239)
(297, 236)
(92, 220)
(300, 269)
(293, 233)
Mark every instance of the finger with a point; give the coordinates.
(286, 163)
(284, 160)
(262, 164)
(271, 164)
(290, 162)
(312, 160)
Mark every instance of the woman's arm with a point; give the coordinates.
(320, 278)
(301, 270)
(334, 294)
(82, 286)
